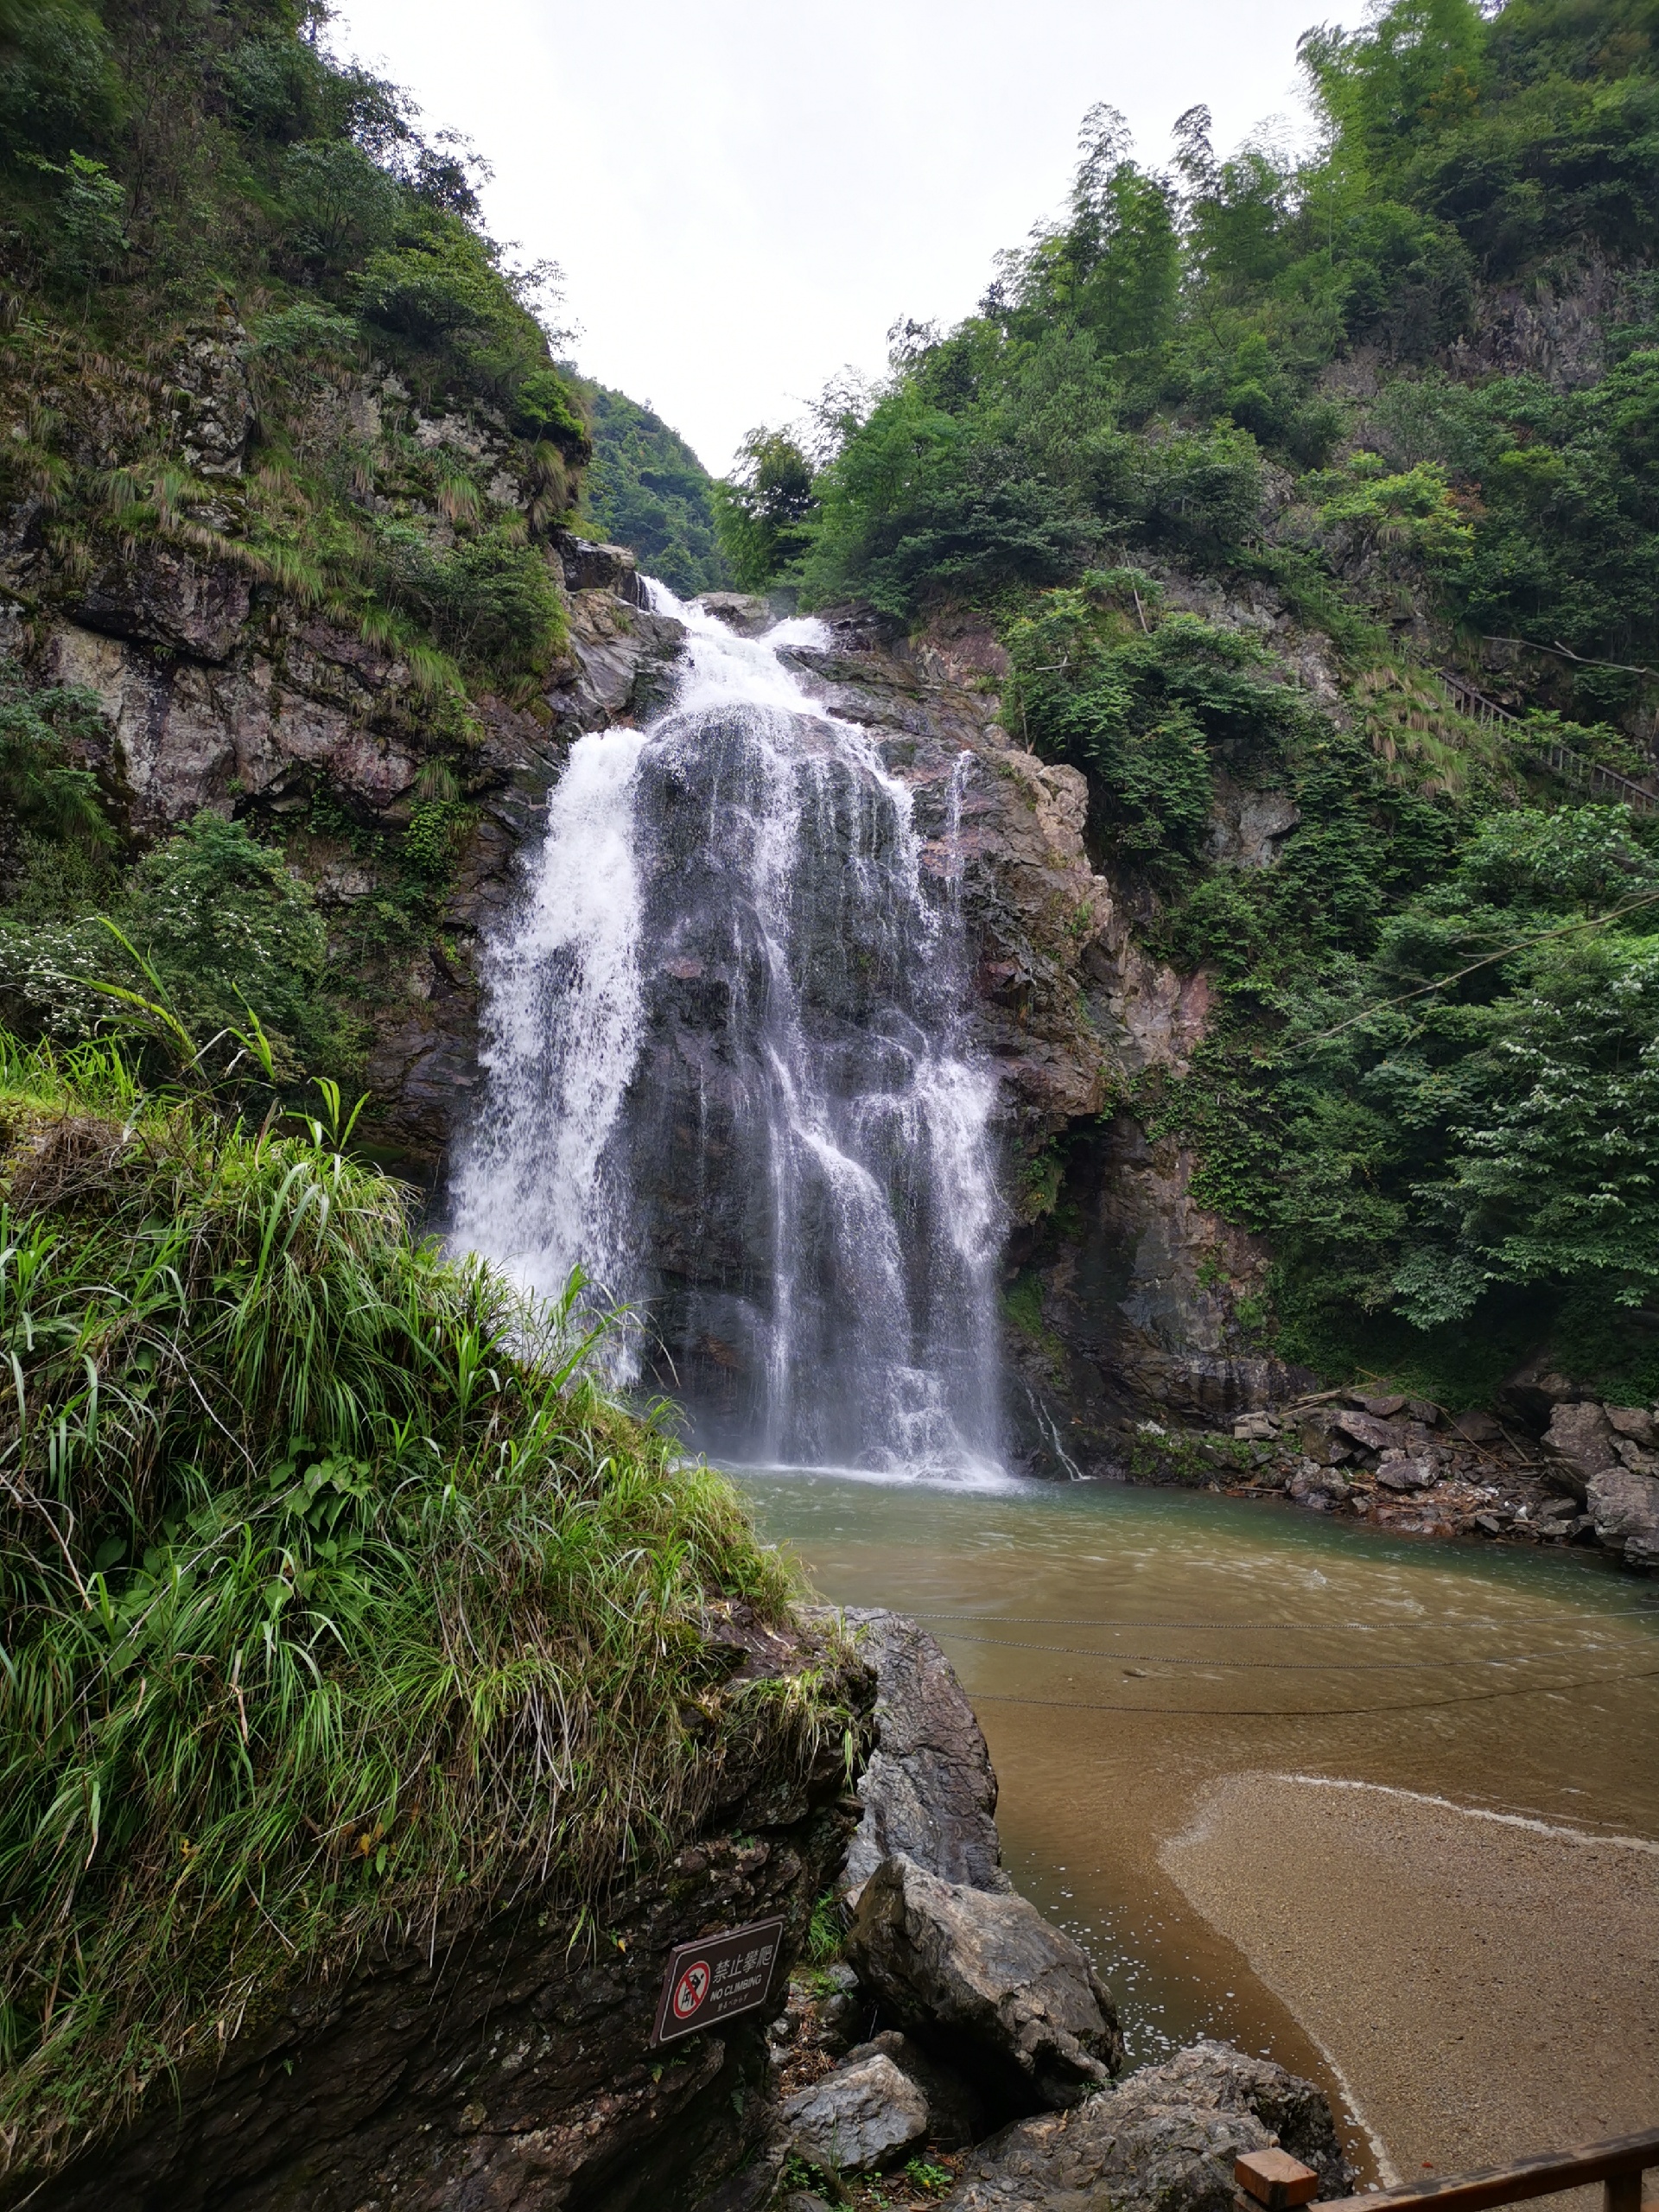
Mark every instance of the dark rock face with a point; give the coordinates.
(506, 2068)
(213, 701)
(929, 1790)
(1164, 2141)
(985, 1980)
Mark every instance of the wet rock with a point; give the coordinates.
(740, 611)
(929, 1790)
(863, 2116)
(1013, 2000)
(1320, 1487)
(1164, 2141)
(1624, 1508)
(588, 567)
(955, 2116)
(1579, 1445)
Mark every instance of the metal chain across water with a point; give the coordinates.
(1271, 1666)
(1041, 1620)
(1311, 1713)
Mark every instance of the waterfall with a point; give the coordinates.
(728, 1070)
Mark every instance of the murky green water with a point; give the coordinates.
(1124, 1648)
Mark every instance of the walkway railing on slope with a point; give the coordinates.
(1618, 2163)
(1272, 2181)
(1573, 768)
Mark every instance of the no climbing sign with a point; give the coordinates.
(715, 1977)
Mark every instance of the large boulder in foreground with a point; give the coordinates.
(1164, 2142)
(1579, 1444)
(929, 1790)
(985, 1978)
(865, 2115)
(1624, 1507)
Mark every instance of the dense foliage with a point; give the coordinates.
(213, 232)
(648, 491)
(338, 1598)
(1408, 384)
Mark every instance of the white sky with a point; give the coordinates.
(744, 196)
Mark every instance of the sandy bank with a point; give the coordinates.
(1486, 1987)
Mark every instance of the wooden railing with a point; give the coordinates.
(1618, 2165)
(1573, 768)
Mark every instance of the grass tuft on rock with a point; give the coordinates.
(340, 1600)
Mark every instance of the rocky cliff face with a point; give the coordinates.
(218, 694)
(507, 2065)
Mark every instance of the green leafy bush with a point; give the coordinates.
(339, 1602)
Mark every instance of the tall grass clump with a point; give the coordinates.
(340, 1603)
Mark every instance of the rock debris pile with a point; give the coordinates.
(1552, 1467)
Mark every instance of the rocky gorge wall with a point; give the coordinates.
(218, 693)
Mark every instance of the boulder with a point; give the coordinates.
(1579, 1445)
(1533, 1392)
(1012, 2000)
(1634, 1423)
(589, 566)
(1368, 1431)
(1319, 1487)
(1401, 1471)
(1165, 2141)
(1623, 1508)
(929, 1791)
(1477, 1427)
(739, 611)
(865, 2115)
(956, 2115)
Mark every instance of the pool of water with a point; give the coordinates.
(1127, 1649)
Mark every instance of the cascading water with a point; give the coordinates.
(728, 1074)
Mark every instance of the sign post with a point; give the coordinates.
(715, 1977)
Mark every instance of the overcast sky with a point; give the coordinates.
(745, 196)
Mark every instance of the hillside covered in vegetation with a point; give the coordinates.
(1409, 385)
(648, 491)
(279, 412)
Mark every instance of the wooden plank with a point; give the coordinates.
(1274, 2178)
(1537, 2176)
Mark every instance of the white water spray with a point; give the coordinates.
(728, 1072)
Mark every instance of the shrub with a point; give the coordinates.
(339, 1602)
